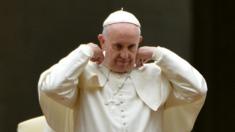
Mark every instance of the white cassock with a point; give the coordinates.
(77, 95)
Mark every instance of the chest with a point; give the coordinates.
(116, 107)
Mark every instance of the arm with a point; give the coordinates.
(187, 83)
(61, 80)
(188, 88)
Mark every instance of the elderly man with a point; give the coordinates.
(111, 88)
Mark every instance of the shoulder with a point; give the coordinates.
(91, 66)
(150, 68)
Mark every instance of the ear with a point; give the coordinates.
(101, 40)
(141, 39)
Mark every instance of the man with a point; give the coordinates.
(111, 88)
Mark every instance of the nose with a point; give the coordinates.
(124, 54)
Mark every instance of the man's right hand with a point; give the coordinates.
(98, 56)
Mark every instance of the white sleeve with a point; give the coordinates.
(60, 81)
(188, 91)
(187, 83)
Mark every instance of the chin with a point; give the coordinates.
(122, 69)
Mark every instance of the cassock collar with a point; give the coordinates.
(147, 81)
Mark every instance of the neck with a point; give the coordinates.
(108, 69)
(105, 63)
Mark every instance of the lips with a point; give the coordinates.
(120, 62)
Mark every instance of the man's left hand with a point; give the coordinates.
(144, 55)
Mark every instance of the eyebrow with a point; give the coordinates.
(122, 44)
(131, 45)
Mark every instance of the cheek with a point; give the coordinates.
(133, 56)
(112, 57)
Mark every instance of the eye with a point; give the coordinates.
(118, 46)
(132, 47)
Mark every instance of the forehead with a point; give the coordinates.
(123, 29)
(123, 33)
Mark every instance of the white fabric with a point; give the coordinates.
(121, 17)
(37, 124)
(107, 110)
(165, 96)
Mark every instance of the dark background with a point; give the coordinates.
(35, 34)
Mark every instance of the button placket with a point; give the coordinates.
(117, 98)
(121, 99)
(123, 116)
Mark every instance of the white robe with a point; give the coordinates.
(170, 87)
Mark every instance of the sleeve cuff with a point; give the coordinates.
(87, 50)
(157, 54)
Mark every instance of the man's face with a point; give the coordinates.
(120, 43)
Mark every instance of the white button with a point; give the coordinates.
(124, 123)
(122, 110)
(112, 107)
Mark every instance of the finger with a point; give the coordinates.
(141, 62)
(92, 59)
(99, 61)
(138, 63)
(145, 60)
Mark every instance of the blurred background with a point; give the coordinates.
(35, 34)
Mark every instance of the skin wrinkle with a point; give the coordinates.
(120, 43)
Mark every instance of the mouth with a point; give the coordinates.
(123, 63)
